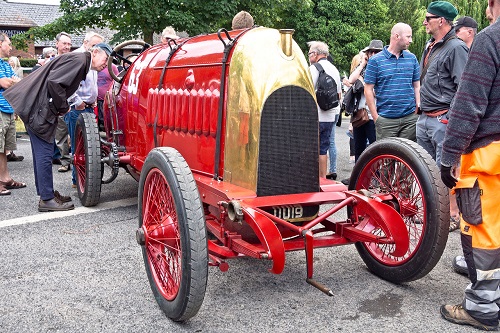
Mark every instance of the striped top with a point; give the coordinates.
(474, 116)
(393, 82)
(5, 71)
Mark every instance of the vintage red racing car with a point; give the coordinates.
(221, 131)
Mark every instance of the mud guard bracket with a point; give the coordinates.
(384, 216)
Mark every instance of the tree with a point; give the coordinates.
(141, 18)
(347, 26)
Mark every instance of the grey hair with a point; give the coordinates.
(62, 33)
(48, 50)
(319, 47)
(89, 35)
(169, 32)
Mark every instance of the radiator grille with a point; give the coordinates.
(288, 149)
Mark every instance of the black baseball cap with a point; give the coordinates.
(105, 47)
(465, 21)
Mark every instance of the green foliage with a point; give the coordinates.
(347, 26)
(28, 62)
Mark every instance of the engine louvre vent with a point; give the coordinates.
(288, 149)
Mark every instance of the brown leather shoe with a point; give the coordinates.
(54, 205)
(457, 314)
(63, 198)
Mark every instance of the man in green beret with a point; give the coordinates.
(441, 67)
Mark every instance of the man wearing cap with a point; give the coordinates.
(393, 76)
(473, 140)
(85, 98)
(441, 67)
(39, 99)
(466, 29)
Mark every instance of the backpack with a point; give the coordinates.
(326, 92)
(352, 97)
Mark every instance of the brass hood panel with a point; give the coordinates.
(258, 67)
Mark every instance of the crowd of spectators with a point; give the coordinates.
(435, 101)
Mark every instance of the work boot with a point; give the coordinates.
(54, 205)
(457, 314)
(460, 266)
(63, 198)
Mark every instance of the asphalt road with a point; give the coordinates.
(82, 271)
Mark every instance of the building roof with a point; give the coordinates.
(26, 15)
(39, 14)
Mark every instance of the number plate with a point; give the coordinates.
(294, 213)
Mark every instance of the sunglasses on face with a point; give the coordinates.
(430, 17)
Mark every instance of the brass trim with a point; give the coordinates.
(286, 41)
(258, 67)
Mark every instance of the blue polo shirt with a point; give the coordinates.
(5, 71)
(393, 82)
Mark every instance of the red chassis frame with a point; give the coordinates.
(228, 198)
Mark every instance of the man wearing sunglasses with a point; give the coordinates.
(441, 67)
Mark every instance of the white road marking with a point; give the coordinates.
(74, 212)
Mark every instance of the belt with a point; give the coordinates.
(435, 113)
(91, 106)
(438, 114)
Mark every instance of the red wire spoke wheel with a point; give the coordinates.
(401, 174)
(87, 159)
(172, 234)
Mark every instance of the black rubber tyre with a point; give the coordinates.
(405, 170)
(175, 249)
(87, 159)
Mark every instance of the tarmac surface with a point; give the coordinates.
(82, 271)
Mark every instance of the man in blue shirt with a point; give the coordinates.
(7, 122)
(393, 76)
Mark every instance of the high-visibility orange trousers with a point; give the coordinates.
(479, 190)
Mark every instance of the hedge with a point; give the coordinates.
(25, 62)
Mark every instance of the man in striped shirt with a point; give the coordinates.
(7, 122)
(393, 76)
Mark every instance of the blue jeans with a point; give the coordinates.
(70, 119)
(42, 166)
(430, 135)
(332, 151)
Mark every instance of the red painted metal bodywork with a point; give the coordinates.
(190, 79)
(142, 108)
